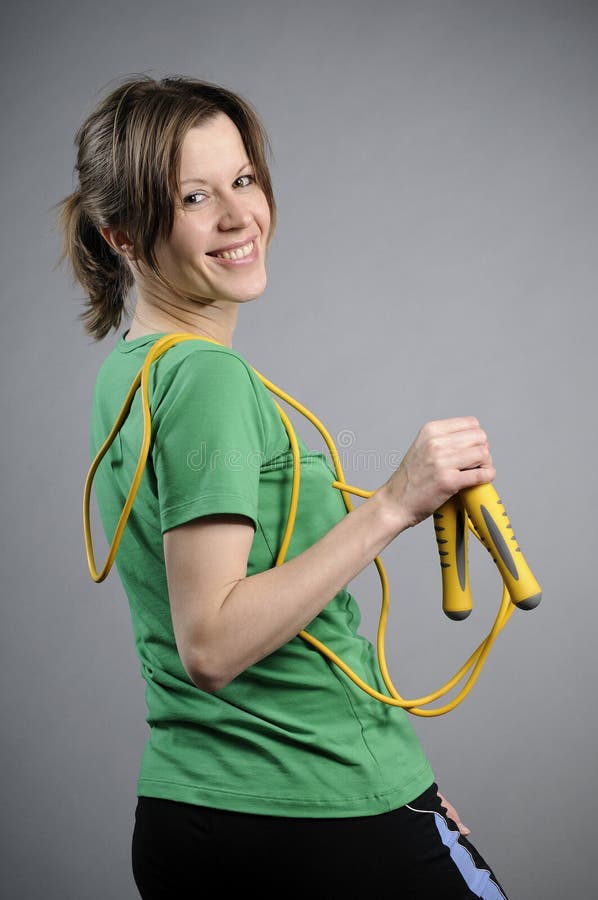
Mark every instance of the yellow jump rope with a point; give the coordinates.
(476, 509)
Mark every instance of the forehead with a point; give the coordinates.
(211, 148)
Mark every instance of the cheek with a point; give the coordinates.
(188, 239)
(264, 217)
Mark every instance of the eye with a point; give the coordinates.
(194, 199)
(244, 180)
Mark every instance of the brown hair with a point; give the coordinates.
(128, 157)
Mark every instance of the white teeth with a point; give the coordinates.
(239, 253)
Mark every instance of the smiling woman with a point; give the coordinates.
(215, 252)
(262, 760)
(168, 173)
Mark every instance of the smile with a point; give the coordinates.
(238, 253)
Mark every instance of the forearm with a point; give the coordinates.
(265, 610)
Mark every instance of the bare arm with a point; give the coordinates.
(224, 620)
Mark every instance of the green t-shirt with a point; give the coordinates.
(291, 735)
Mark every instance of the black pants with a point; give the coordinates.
(181, 850)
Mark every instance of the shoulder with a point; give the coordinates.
(201, 365)
(197, 376)
(218, 383)
(201, 353)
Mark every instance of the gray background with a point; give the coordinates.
(435, 168)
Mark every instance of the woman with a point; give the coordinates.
(264, 764)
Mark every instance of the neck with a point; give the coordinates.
(216, 321)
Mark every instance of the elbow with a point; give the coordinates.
(208, 683)
(207, 674)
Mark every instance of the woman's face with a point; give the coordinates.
(218, 242)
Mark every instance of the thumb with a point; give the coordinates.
(454, 815)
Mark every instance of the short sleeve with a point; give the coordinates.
(208, 440)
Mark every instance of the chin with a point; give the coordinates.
(252, 291)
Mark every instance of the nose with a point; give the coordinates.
(235, 212)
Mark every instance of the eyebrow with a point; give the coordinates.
(203, 181)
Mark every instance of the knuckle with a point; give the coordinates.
(427, 429)
(434, 444)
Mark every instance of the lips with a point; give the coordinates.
(238, 250)
(237, 253)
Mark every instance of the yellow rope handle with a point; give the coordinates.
(475, 661)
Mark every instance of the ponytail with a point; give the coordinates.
(103, 274)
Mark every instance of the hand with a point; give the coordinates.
(445, 457)
(454, 815)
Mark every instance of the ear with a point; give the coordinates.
(118, 240)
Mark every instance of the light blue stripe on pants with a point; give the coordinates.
(479, 881)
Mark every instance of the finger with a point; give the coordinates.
(472, 457)
(476, 476)
(454, 815)
(448, 426)
(462, 439)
